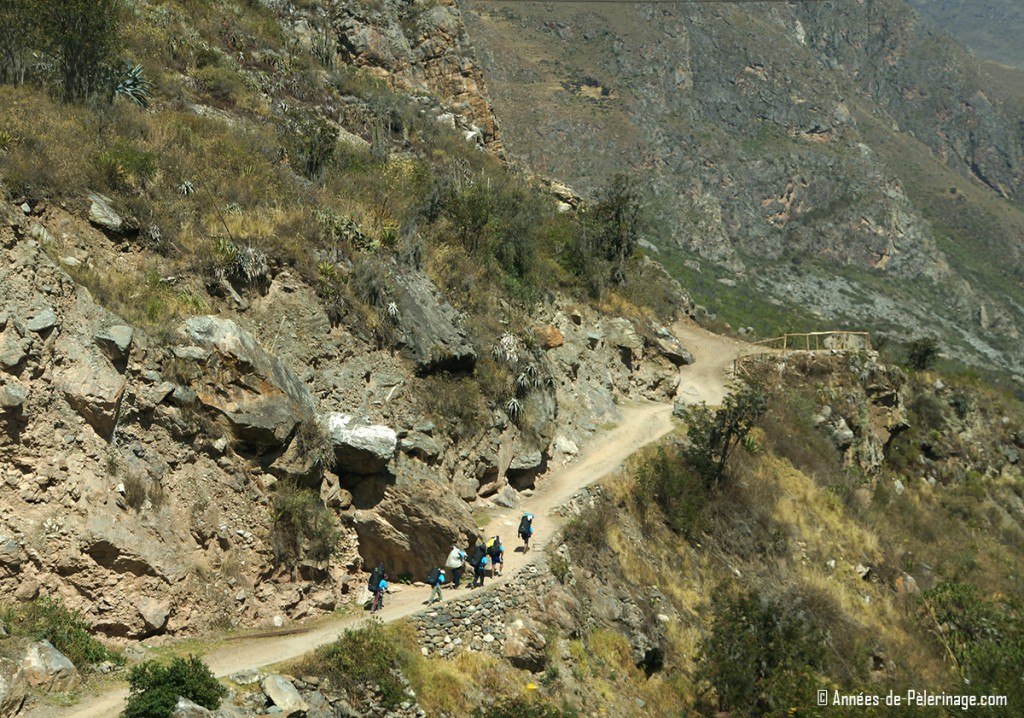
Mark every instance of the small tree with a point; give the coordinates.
(155, 688)
(922, 353)
(618, 213)
(715, 433)
(81, 37)
(18, 29)
(763, 656)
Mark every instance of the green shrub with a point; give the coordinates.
(310, 141)
(368, 654)
(314, 445)
(714, 433)
(303, 528)
(122, 167)
(48, 618)
(155, 688)
(922, 353)
(518, 707)
(985, 639)
(589, 530)
(82, 38)
(667, 480)
(763, 656)
(221, 83)
(617, 222)
(16, 37)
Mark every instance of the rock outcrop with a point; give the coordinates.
(360, 447)
(525, 646)
(412, 530)
(93, 387)
(260, 397)
(48, 669)
(429, 332)
(13, 688)
(422, 47)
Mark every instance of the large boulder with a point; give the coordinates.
(48, 669)
(102, 213)
(359, 446)
(670, 347)
(12, 397)
(93, 388)
(11, 555)
(262, 399)
(283, 694)
(429, 332)
(525, 646)
(154, 612)
(412, 529)
(13, 688)
(185, 708)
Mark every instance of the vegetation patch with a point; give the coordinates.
(364, 655)
(155, 687)
(47, 618)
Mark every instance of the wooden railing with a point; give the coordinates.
(820, 341)
(834, 341)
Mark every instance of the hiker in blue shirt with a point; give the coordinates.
(378, 594)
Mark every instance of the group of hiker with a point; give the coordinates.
(482, 557)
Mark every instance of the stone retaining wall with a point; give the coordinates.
(477, 619)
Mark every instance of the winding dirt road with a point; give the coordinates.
(707, 380)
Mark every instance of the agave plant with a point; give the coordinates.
(506, 349)
(514, 410)
(134, 86)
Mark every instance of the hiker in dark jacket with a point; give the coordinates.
(496, 552)
(476, 553)
(526, 530)
(480, 570)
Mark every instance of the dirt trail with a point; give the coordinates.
(705, 380)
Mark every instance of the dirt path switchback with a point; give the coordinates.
(705, 380)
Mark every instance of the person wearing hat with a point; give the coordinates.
(435, 590)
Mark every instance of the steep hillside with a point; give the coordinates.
(270, 312)
(991, 28)
(764, 138)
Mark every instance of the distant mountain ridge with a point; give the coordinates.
(991, 28)
(848, 159)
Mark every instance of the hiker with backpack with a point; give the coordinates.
(378, 594)
(435, 579)
(373, 585)
(526, 530)
(496, 552)
(480, 571)
(478, 560)
(455, 564)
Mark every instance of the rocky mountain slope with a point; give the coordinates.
(846, 159)
(991, 28)
(281, 310)
(306, 328)
(142, 470)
